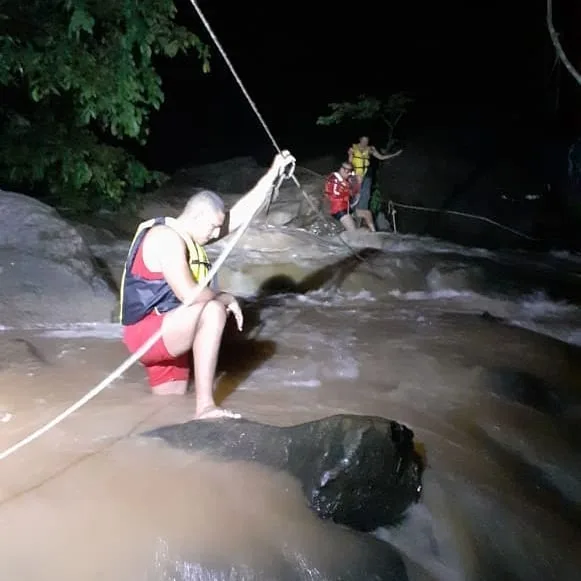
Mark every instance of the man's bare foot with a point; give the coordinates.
(216, 413)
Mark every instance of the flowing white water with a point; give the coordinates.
(493, 400)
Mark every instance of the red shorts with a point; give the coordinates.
(160, 366)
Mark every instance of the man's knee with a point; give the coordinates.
(213, 313)
(180, 326)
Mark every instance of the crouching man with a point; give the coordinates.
(165, 263)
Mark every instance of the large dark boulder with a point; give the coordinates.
(359, 471)
(48, 273)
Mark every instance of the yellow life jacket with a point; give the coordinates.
(360, 160)
(197, 257)
(140, 296)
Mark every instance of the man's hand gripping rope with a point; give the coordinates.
(287, 173)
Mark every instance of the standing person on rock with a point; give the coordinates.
(165, 263)
(359, 156)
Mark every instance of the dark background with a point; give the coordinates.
(484, 66)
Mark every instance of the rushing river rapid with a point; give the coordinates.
(477, 351)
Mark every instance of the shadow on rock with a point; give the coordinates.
(358, 471)
(330, 276)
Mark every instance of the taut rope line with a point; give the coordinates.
(393, 205)
(262, 121)
(235, 74)
(156, 336)
(150, 342)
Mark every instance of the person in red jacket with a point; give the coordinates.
(342, 190)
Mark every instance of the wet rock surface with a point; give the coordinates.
(364, 558)
(358, 471)
(49, 274)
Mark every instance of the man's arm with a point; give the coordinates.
(350, 153)
(257, 196)
(171, 254)
(355, 186)
(382, 157)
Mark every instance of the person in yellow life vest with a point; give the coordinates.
(359, 156)
(165, 263)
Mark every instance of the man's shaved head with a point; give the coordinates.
(204, 201)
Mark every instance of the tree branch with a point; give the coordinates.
(555, 40)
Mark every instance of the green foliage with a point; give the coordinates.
(367, 108)
(376, 202)
(80, 81)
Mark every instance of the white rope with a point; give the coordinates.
(289, 173)
(391, 205)
(234, 74)
(152, 340)
(213, 36)
(263, 122)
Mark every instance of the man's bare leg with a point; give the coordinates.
(206, 346)
(367, 217)
(348, 223)
(199, 327)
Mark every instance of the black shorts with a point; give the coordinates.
(339, 215)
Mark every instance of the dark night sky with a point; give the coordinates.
(458, 57)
